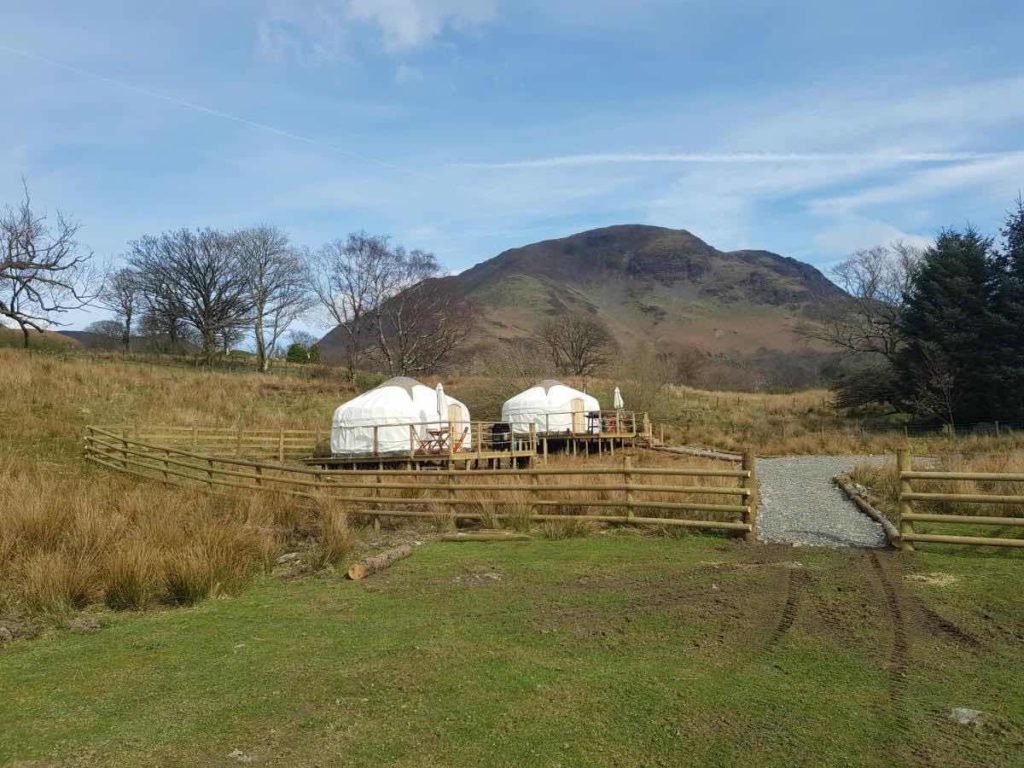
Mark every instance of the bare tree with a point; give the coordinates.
(122, 294)
(350, 279)
(44, 270)
(165, 332)
(386, 303)
(937, 392)
(197, 276)
(276, 279)
(111, 331)
(869, 323)
(645, 375)
(420, 329)
(578, 343)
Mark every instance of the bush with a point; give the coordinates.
(297, 353)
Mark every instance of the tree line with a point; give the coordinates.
(208, 289)
(937, 333)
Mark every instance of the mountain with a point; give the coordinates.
(649, 284)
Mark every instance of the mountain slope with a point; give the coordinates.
(648, 284)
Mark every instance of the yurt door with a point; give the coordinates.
(577, 416)
(456, 426)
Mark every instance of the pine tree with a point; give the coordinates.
(297, 353)
(946, 371)
(1008, 313)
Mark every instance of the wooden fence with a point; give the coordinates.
(239, 442)
(906, 516)
(620, 492)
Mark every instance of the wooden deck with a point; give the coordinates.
(511, 459)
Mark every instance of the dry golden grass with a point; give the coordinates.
(95, 537)
(884, 483)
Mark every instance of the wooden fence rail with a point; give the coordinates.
(906, 516)
(621, 491)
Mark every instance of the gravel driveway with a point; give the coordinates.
(801, 505)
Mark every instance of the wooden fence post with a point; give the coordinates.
(376, 440)
(209, 473)
(903, 464)
(195, 437)
(627, 465)
(280, 446)
(238, 443)
(451, 496)
(376, 495)
(750, 483)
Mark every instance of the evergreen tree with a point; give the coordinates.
(1008, 313)
(297, 353)
(946, 370)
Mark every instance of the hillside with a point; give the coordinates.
(648, 284)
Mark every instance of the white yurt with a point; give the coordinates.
(437, 420)
(551, 407)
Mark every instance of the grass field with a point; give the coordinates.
(622, 648)
(617, 650)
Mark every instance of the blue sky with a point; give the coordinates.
(471, 126)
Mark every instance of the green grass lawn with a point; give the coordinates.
(618, 650)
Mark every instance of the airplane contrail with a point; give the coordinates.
(265, 127)
(566, 161)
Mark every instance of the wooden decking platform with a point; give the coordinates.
(512, 459)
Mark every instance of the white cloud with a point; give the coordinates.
(851, 233)
(999, 176)
(317, 31)
(408, 24)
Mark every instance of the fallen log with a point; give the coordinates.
(846, 486)
(704, 453)
(369, 565)
(485, 536)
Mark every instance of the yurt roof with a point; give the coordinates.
(547, 384)
(402, 382)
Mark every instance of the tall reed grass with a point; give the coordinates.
(88, 539)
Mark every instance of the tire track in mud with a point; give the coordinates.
(899, 656)
(795, 583)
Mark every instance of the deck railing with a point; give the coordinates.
(421, 439)
(684, 496)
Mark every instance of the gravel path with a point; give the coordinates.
(800, 504)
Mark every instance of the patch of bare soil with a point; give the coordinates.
(705, 608)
